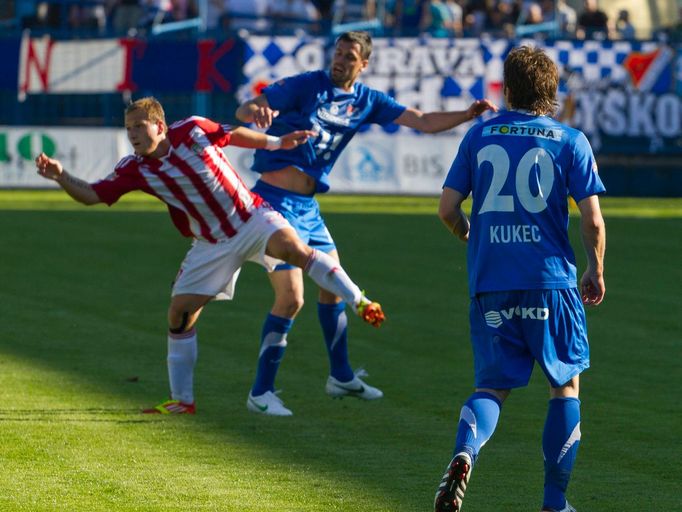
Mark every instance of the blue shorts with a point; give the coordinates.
(302, 212)
(511, 330)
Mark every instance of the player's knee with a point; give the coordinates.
(294, 306)
(178, 321)
(289, 306)
(569, 390)
(500, 394)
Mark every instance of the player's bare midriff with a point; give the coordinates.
(290, 178)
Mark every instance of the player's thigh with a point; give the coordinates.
(556, 330)
(210, 270)
(501, 358)
(284, 244)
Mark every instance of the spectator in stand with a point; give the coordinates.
(326, 13)
(438, 20)
(405, 17)
(502, 16)
(562, 13)
(290, 15)
(89, 17)
(350, 11)
(215, 10)
(593, 23)
(180, 10)
(125, 15)
(457, 14)
(475, 18)
(568, 18)
(47, 15)
(247, 15)
(531, 14)
(624, 28)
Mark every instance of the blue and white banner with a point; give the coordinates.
(625, 95)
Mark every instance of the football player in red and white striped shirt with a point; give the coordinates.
(184, 166)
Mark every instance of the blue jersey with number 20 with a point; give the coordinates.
(310, 101)
(520, 170)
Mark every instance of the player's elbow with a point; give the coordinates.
(593, 225)
(424, 125)
(88, 198)
(449, 215)
(444, 212)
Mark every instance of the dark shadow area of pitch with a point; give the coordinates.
(85, 294)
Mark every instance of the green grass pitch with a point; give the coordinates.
(83, 298)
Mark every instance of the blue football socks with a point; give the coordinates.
(560, 442)
(477, 422)
(273, 345)
(334, 324)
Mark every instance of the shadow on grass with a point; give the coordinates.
(85, 294)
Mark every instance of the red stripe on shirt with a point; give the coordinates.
(241, 207)
(180, 195)
(201, 187)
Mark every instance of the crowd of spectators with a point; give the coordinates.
(438, 18)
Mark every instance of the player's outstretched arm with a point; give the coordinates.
(434, 122)
(248, 138)
(51, 169)
(451, 214)
(593, 229)
(257, 111)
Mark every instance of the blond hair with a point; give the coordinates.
(152, 107)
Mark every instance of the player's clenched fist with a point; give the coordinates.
(49, 168)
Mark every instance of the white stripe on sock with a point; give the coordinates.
(572, 439)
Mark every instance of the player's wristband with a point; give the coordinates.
(272, 142)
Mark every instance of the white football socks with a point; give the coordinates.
(182, 356)
(328, 273)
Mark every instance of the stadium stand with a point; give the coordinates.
(627, 122)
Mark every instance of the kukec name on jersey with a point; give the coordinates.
(509, 234)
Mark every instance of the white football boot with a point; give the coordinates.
(267, 403)
(355, 387)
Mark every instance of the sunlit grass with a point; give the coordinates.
(332, 203)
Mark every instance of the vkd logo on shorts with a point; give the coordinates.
(495, 318)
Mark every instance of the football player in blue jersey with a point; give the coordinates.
(335, 105)
(520, 168)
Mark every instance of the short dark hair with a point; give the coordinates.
(531, 80)
(361, 38)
